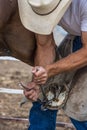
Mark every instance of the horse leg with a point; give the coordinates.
(76, 106)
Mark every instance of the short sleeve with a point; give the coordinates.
(84, 16)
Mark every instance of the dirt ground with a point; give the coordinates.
(11, 74)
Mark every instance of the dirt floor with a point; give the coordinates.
(11, 74)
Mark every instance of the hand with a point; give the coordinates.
(40, 75)
(33, 92)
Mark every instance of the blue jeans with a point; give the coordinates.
(79, 125)
(42, 120)
(46, 120)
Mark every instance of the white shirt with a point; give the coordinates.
(75, 18)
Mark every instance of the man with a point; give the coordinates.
(74, 21)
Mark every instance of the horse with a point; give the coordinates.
(18, 42)
(15, 40)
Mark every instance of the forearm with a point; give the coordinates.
(73, 61)
(45, 52)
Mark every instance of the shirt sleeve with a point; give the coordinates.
(84, 16)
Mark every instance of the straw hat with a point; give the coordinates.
(41, 16)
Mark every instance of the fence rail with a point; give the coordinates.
(11, 91)
(58, 124)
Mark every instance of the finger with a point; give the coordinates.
(35, 98)
(38, 71)
(28, 93)
(31, 85)
(35, 69)
(40, 77)
(41, 82)
(38, 81)
(33, 95)
(37, 89)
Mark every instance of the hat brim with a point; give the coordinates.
(41, 24)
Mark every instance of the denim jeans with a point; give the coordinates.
(46, 120)
(79, 125)
(42, 120)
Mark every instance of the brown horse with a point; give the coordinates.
(15, 40)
